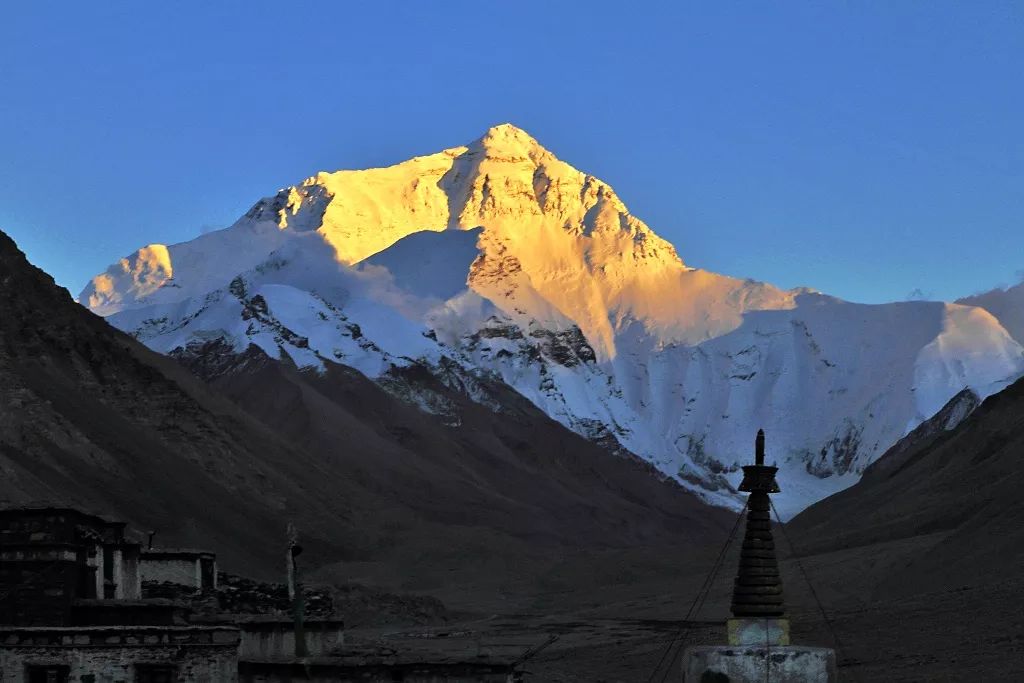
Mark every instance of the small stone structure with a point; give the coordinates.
(266, 638)
(273, 639)
(196, 569)
(758, 634)
(51, 556)
(80, 604)
(103, 654)
(70, 609)
(779, 664)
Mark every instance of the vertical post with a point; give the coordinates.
(295, 592)
(289, 561)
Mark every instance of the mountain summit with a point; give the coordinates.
(500, 260)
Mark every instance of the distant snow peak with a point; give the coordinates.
(1006, 304)
(142, 273)
(498, 262)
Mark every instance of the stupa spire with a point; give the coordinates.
(757, 591)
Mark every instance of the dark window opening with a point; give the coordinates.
(155, 673)
(206, 574)
(47, 673)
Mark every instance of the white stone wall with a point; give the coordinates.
(96, 560)
(118, 574)
(129, 582)
(185, 572)
(260, 643)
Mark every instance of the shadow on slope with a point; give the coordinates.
(478, 507)
(953, 498)
(380, 490)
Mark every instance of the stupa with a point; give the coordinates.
(758, 646)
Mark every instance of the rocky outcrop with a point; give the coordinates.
(925, 436)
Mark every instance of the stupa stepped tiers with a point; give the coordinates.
(758, 646)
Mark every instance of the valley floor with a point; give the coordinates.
(969, 634)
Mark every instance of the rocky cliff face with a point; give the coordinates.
(90, 418)
(940, 511)
(500, 259)
(924, 436)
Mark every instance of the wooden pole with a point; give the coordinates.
(295, 592)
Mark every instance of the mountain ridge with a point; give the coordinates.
(1006, 304)
(509, 262)
(224, 454)
(950, 490)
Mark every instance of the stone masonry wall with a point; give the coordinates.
(110, 654)
(276, 641)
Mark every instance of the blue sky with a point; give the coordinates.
(866, 149)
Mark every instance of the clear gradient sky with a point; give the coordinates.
(867, 149)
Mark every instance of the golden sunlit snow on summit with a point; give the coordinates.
(500, 258)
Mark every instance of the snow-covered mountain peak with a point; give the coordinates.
(498, 258)
(1006, 304)
(142, 273)
(541, 217)
(509, 141)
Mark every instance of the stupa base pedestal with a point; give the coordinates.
(740, 663)
(764, 632)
